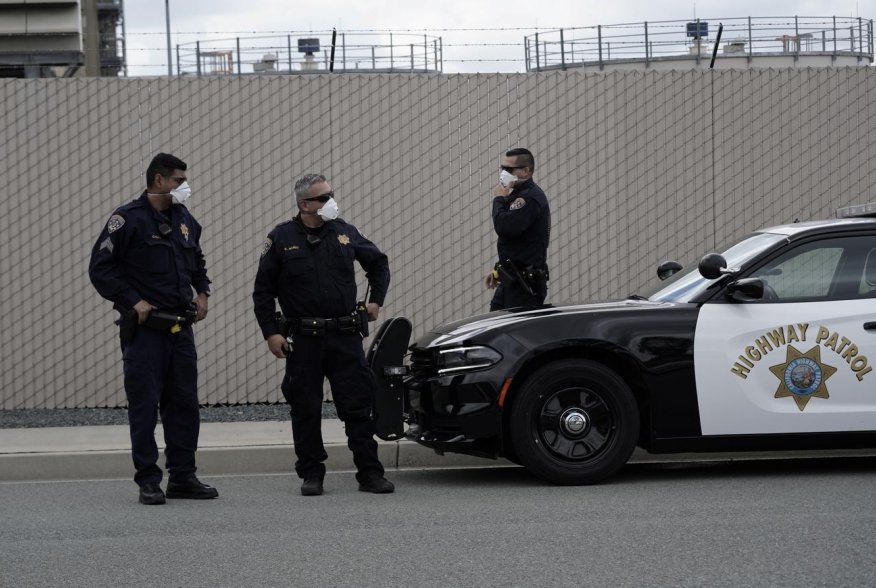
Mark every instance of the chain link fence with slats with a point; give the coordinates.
(638, 167)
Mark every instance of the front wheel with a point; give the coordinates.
(574, 422)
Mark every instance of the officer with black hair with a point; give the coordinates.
(522, 220)
(307, 265)
(148, 262)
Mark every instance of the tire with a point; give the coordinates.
(574, 422)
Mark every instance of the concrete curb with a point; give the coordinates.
(220, 461)
(233, 448)
(265, 447)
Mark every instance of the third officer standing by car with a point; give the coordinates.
(307, 265)
(522, 220)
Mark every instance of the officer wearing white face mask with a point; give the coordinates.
(148, 262)
(522, 220)
(307, 266)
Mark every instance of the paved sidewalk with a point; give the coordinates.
(103, 452)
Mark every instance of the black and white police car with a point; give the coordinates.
(769, 345)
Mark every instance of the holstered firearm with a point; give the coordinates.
(283, 324)
(509, 272)
(127, 323)
(285, 327)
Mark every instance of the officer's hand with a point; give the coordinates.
(143, 309)
(278, 346)
(490, 281)
(201, 303)
(373, 310)
(502, 190)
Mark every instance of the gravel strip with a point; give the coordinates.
(81, 417)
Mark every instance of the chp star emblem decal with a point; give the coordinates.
(802, 376)
(343, 239)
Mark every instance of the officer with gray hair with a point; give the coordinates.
(307, 266)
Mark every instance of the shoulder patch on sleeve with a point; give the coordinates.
(518, 203)
(266, 246)
(115, 223)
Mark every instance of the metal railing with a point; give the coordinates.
(665, 40)
(353, 52)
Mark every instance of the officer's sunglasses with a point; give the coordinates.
(321, 198)
(511, 168)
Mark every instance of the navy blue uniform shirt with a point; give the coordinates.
(523, 223)
(315, 279)
(133, 260)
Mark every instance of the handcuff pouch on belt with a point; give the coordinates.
(348, 325)
(311, 326)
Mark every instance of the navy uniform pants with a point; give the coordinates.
(161, 376)
(512, 295)
(339, 358)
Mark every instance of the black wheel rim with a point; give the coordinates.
(575, 424)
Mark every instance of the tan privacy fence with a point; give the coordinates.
(638, 168)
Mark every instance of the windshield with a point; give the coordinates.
(688, 283)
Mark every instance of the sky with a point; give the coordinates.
(476, 36)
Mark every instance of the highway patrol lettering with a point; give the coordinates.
(768, 342)
(846, 349)
(781, 336)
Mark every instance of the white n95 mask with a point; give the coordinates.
(506, 178)
(181, 193)
(329, 210)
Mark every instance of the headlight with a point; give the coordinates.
(459, 359)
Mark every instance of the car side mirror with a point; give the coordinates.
(711, 264)
(668, 269)
(746, 289)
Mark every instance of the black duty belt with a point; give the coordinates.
(315, 326)
(171, 320)
(531, 278)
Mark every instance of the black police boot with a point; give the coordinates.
(151, 494)
(376, 484)
(190, 488)
(311, 487)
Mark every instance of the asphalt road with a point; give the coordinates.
(765, 523)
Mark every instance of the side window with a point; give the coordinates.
(833, 269)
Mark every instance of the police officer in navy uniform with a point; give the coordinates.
(307, 265)
(148, 262)
(522, 220)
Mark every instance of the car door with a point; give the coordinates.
(801, 358)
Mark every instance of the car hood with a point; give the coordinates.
(462, 330)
